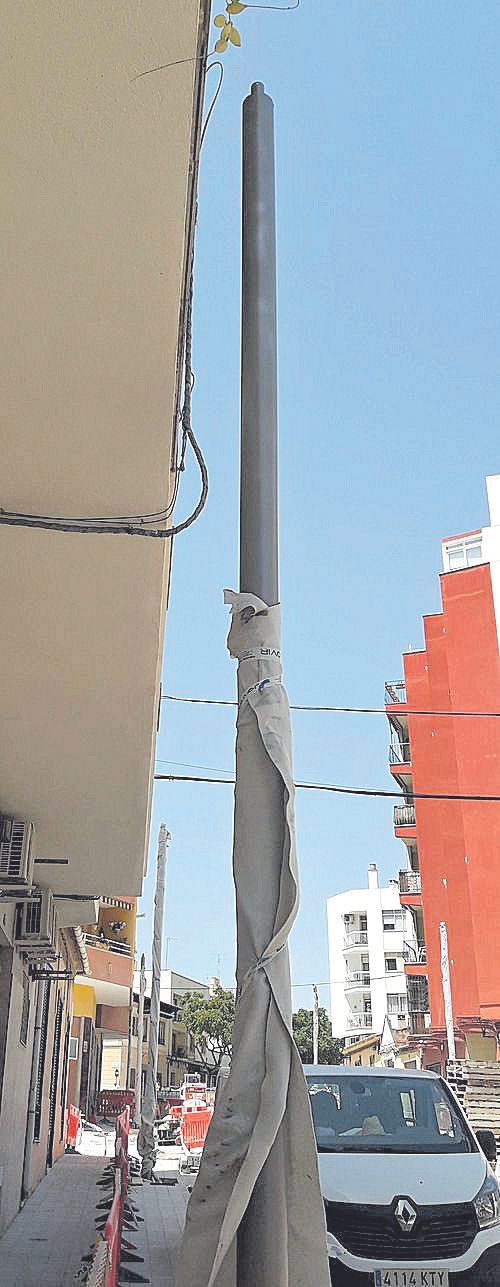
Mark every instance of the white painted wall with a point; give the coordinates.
(347, 1004)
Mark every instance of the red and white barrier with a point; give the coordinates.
(72, 1127)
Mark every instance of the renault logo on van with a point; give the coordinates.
(405, 1215)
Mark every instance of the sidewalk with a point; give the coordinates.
(164, 1210)
(44, 1245)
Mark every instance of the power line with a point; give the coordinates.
(340, 790)
(342, 710)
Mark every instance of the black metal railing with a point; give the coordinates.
(109, 944)
(404, 815)
(395, 693)
(410, 882)
(399, 753)
(415, 955)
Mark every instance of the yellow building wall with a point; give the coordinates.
(84, 1003)
(481, 1048)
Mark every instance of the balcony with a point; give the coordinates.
(357, 979)
(356, 939)
(404, 815)
(399, 753)
(415, 955)
(362, 1021)
(395, 693)
(110, 962)
(108, 944)
(410, 882)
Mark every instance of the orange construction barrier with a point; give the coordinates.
(194, 1127)
(113, 1232)
(72, 1127)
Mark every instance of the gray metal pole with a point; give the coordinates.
(445, 977)
(146, 1143)
(259, 570)
(259, 365)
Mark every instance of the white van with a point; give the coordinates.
(410, 1199)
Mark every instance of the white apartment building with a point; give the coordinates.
(369, 937)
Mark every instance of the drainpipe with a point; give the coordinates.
(30, 1122)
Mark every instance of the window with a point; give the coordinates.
(135, 1025)
(132, 1078)
(464, 554)
(391, 965)
(363, 922)
(161, 1032)
(393, 920)
(372, 1060)
(396, 1003)
(25, 1013)
(73, 1047)
(393, 1114)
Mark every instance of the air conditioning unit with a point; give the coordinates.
(17, 851)
(36, 923)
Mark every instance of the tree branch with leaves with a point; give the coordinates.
(209, 1021)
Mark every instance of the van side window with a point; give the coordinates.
(407, 1098)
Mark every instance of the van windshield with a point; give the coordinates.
(386, 1115)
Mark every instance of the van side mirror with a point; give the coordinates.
(487, 1142)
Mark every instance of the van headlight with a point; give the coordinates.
(487, 1203)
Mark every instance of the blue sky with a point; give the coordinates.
(387, 137)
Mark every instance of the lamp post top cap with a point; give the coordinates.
(257, 87)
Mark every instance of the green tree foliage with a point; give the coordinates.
(209, 1020)
(329, 1048)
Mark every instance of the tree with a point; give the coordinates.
(329, 1048)
(209, 1021)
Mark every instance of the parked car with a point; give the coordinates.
(410, 1196)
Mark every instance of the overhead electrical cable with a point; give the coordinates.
(341, 710)
(342, 790)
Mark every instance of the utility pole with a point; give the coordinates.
(315, 1024)
(259, 358)
(146, 1142)
(140, 1037)
(259, 573)
(445, 976)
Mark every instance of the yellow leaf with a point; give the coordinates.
(220, 46)
(227, 31)
(235, 7)
(235, 37)
(220, 20)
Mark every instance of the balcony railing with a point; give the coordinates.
(357, 980)
(415, 955)
(395, 693)
(108, 944)
(357, 938)
(404, 815)
(360, 1021)
(410, 882)
(399, 753)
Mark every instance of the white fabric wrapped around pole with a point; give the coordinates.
(146, 1139)
(140, 1038)
(259, 1169)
